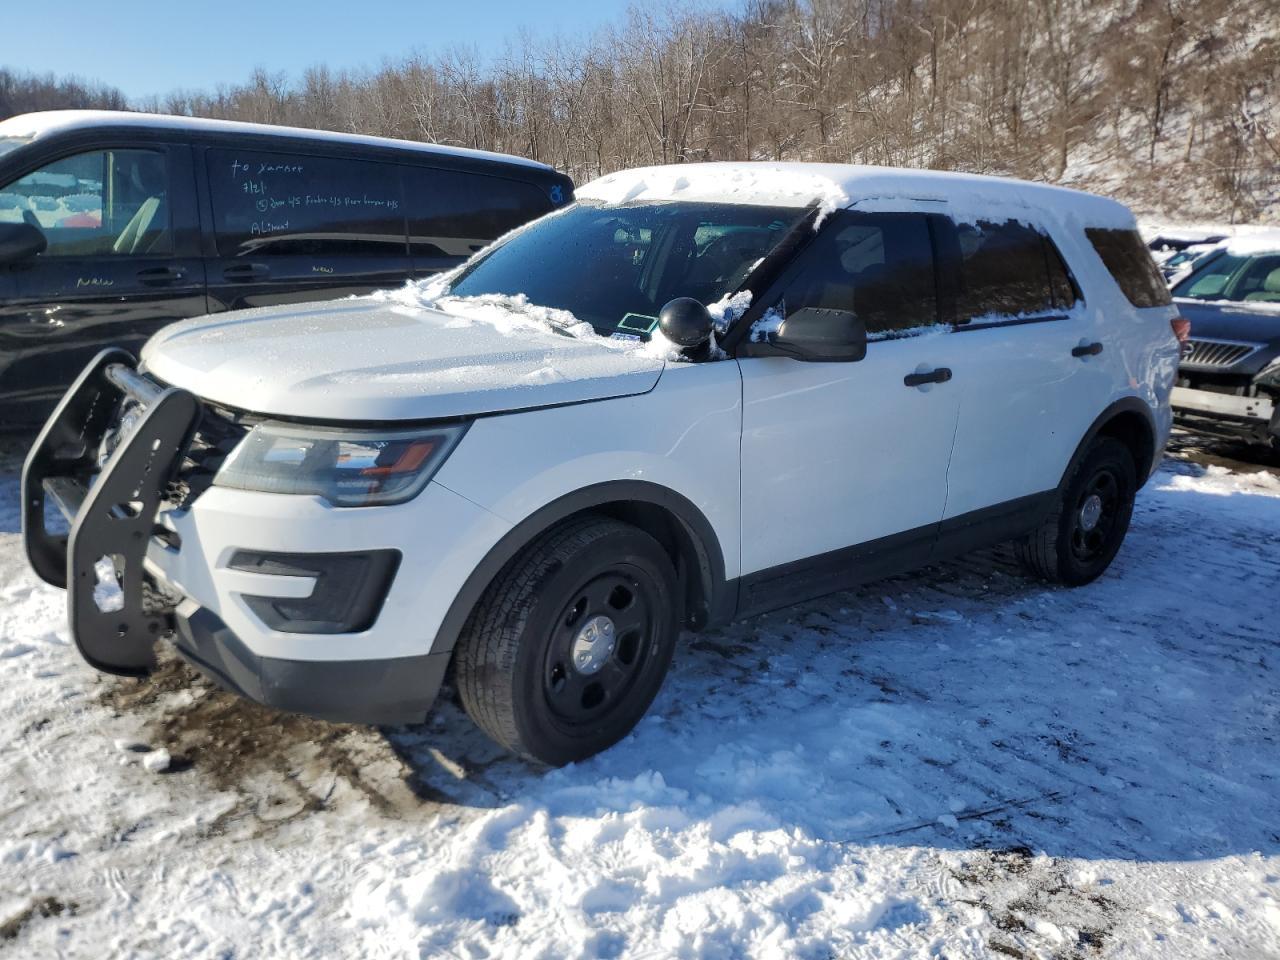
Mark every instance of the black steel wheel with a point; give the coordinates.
(1080, 537)
(569, 646)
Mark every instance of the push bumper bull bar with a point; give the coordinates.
(112, 507)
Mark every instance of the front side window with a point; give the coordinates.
(274, 204)
(1129, 262)
(616, 266)
(103, 203)
(454, 214)
(878, 265)
(1237, 277)
(1008, 269)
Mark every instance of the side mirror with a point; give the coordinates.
(20, 241)
(817, 335)
(685, 322)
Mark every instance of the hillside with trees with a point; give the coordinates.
(1171, 105)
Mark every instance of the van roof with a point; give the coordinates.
(835, 185)
(49, 122)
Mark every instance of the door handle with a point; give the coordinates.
(158, 276)
(247, 271)
(1086, 350)
(940, 375)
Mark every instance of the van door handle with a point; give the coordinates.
(940, 375)
(1086, 350)
(159, 276)
(247, 271)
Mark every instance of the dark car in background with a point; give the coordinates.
(1229, 380)
(115, 224)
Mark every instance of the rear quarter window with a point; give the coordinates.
(1129, 262)
(453, 213)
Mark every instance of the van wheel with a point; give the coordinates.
(1079, 538)
(568, 647)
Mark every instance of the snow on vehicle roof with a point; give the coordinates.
(37, 125)
(1254, 244)
(833, 185)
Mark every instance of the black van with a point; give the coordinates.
(114, 224)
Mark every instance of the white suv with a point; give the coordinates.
(698, 393)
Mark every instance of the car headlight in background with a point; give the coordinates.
(348, 468)
(1270, 374)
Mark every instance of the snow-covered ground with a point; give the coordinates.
(961, 763)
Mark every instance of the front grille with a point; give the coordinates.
(217, 435)
(1217, 353)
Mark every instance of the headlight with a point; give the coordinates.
(349, 468)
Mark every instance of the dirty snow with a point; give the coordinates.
(960, 763)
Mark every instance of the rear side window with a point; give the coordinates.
(103, 203)
(1129, 262)
(454, 214)
(270, 204)
(879, 265)
(1008, 270)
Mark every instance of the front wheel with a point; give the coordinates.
(571, 642)
(1079, 538)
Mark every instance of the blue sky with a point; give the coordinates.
(153, 46)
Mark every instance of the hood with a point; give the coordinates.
(370, 359)
(1222, 320)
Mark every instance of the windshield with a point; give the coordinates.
(10, 144)
(615, 267)
(1249, 279)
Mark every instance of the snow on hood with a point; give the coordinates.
(398, 356)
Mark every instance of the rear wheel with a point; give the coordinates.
(570, 644)
(1079, 538)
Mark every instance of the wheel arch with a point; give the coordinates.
(1130, 421)
(669, 517)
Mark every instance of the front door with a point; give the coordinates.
(844, 465)
(122, 261)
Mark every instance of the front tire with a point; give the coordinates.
(1080, 537)
(569, 645)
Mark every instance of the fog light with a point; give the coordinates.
(349, 591)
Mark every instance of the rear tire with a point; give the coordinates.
(569, 645)
(1080, 537)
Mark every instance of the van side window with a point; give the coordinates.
(273, 204)
(454, 214)
(1129, 261)
(103, 203)
(879, 265)
(1006, 272)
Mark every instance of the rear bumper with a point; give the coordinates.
(390, 692)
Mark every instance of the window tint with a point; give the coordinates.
(454, 214)
(1006, 271)
(104, 203)
(268, 204)
(1129, 262)
(879, 265)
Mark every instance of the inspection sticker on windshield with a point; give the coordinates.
(638, 322)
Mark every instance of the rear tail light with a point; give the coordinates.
(1182, 330)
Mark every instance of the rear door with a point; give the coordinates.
(454, 213)
(1029, 382)
(122, 261)
(299, 226)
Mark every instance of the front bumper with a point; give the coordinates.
(123, 510)
(395, 691)
(1220, 414)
